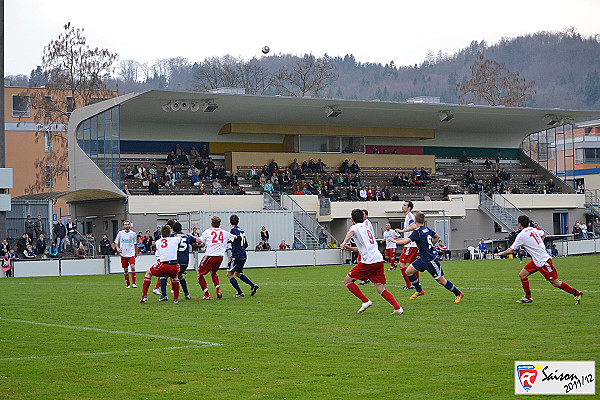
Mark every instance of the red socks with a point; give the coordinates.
(215, 279)
(175, 288)
(202, 282)
(390, 299)
(406, 280)
(525, 283)
(133, 277)
(564, 286)
(127, 278)
(146, 285)
(356, 291)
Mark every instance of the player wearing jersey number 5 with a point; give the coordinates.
(215, 240)
(425, 240)
(370, 265)
(533, 241)
(410, 251)
(166, 264)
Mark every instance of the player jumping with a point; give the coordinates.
(238, 258)
(166, 264)
(125, 242)
(215, 240)
(425, 239)
(370, 265)
(533, 241)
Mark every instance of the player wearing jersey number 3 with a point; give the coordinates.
(370, 265)
(533, 241)
(166, 263)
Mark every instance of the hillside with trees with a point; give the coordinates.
(564, 66)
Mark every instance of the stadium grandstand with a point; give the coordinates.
(185, 154)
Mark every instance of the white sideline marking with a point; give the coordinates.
(102, 353)
(87, 328)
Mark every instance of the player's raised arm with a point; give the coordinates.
(400, 241)
(435, 238)
(344, 245)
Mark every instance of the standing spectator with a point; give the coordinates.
(551, 186)
(498, 154)
(596, 226)
(264, 234)
(511, 237)
(38, 226)
(4, 247)
(204, 152)
(7, 264)
(157, 233)
(40, 245)
(29, 226)
(577, 234)
(583, 227)
(148, 240)
(105, 246)
(60, 232)
(153, 187)
(22, 243)
(194, 153)
(322, 239)
(73, 236)
(126, 190)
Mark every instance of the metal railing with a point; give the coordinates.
(592, 201)
(500, 209)
(304, 224)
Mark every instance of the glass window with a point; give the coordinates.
(49, 176)
(48, 146)
(48, 106)
(20, 106)
(589, 155)
(353, 144)
(70, 105)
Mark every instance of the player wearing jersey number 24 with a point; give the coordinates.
(533, 241)
(370, 265)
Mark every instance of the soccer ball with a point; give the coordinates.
(265, 49)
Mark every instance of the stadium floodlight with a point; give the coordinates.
(209, 106)
(332, 111)
(166, 107)
(446, 116)
(175, 105)
(184, 105)
(194, 106)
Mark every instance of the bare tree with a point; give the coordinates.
(255, 78)
(75, 79)
(216, 72)
(309, 76)
(496, 85)
(129, 70)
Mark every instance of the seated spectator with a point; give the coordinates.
(201, 189)
(515, 190)
(221, 172)
(590, 231)
(356, 180)
(577, 234)
(405, 180)
(385, 193)
(232, 180)
(172, 171)
(385, 151)
(498, 249)
(266, 245)
(205, 173)
(80, 252)
(29, 253)
(584, 232)
(298, 191)
(171, 158)
(346, 150)
(286, 179)
(424, 175)
(312, 165)
(199, 164)
(427, 197)
(153, 187)
(363, 193)
(483, 249)
(532, 182)
(488, 163)
(242, 191)
(191, 171)
(252, 174)
(554, 251)
(262, 180)
(283, 245)
(183, 159)
(463, 158)
(204, 152)
(395, 197)
(305, 168)
(128, 172)
(126, 190)
(395, 151)
(166, 179)
(259, 247)
(416, 181)
(195, 180)
(277, 187)
(40, 245)
(580, 188)
(504, 175)
(53, 252)
(295, 170)
(354, 168)
(269, 187)
(442, 250)
(217, 187)
(210, 163)
(375, 151)
(320, 166)
(345, 167)
(153, 172)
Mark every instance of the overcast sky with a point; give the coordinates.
(376, 31)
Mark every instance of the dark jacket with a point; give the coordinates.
(60, 230)
(40, 246)
(105, 247)
(153, 188)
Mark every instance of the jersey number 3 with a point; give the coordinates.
(163, 243)
(217, 237)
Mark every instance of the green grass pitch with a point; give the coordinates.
(299, 337)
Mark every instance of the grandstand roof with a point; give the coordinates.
(75, 195)
(513, 121)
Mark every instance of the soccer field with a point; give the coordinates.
(299, 338)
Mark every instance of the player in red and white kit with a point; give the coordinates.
(126, 243)
(533, 241)
(390, 247)
(166, 263)
(370, 266)
(215, 240)
(410, 251)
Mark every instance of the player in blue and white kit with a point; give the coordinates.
(238, 258)
(183, 259)
(425, 238)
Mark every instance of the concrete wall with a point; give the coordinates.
(174, 204)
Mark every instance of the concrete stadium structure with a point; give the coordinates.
(254, 129)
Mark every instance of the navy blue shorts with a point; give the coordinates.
(236, 265)
(433, 267)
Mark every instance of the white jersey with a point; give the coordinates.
(366, 243)
(126, 242)
(166, 248)
(408, 221)
(531, 239)
(216, 241)
(390, 234)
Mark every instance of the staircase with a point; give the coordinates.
(500, 210)
(306, 228)
(592, 202)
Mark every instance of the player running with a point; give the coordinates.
(166, 264)
(370, 266)
(533, 241)
(425, 239)
(390, 247)
(126, 242)
(238, 258)
(215, 240)
(183, 259)
(410, 251)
